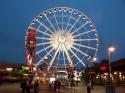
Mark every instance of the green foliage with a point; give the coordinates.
(96, 68)
(24, 70)
(86, 75)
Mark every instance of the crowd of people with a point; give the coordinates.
(27, 84)
(55, 85)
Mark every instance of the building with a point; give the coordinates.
(117, 70)
(9, 71)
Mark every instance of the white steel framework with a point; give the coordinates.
(64, 37)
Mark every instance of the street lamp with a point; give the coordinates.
(110, 88)
(110, 49)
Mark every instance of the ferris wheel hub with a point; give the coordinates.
(61, 38)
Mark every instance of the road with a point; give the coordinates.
(15, 88)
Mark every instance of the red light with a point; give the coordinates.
(103, 68)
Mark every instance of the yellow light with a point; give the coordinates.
(120, 73)
(97, 77)
(104, 77)
(52, 79)
(9, 69)
(34, 69)
(123, 77)
(115, 73)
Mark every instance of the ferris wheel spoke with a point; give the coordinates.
(39, 56)
(44, 57)
(88, 47)
(74, 24)
(50, 23)
(68, 21)
(43, 49)
(43, 32)
(79, 28)
(38, 44)
(54, 56)
(56, 21)
(77, 57)
(43, 38)
(79, 51)
(64, 60)
(58, 58)
(44, 26)
(62, 20)
(67, 54)
(77, 63)
(93, 39)
(86, 32)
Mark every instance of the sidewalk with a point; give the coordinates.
(15, 88)
(81, 89)
(77, 89)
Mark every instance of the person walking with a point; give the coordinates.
(23, 86)
(36, 86)
(58, 85)
(28, 85)
(50, 85)
(89, 87)
(55, 85)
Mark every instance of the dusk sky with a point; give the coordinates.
(16, 15)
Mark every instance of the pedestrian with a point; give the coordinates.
(89, 87)
(28, 85)
(55, 85)
(36, 86)
(50, 85)
(23, 85)
(58, 85)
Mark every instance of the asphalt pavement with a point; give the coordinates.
(15, 88)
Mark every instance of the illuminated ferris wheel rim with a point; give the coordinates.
(62, 40)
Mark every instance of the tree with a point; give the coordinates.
(86, 75)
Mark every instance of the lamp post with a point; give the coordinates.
(94, 59)
(110, 88)
(91, 72)
(110, 49)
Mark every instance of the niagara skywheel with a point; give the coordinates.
(61, 37)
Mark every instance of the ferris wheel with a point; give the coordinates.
(61, 36)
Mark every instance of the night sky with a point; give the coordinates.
(16, 15)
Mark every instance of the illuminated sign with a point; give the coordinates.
(102, 68)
